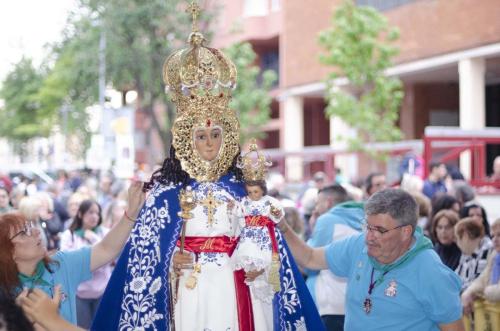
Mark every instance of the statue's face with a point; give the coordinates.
(207, 142)
(255, 192)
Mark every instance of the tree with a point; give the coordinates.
(70, 84)
(251, 101)
(22, 118)
(359, 46)
(139, 37)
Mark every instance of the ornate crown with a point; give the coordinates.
(198, 75)
(200, 80)
(254, 171)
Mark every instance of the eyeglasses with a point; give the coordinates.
(379, 231)
(27, 230)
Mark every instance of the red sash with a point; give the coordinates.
(222, 244)
(264, 221)
(226, 245)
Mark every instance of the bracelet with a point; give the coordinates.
(127, 217)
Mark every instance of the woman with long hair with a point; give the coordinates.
(25, 264)
(441, 201)
(86, 230)
(443, 232)
(478, 213)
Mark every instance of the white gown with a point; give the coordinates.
(211, 305)
(254, 252)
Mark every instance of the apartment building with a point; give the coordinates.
(449, 62)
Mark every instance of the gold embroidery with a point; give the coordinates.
(211, 203)
(208, 244)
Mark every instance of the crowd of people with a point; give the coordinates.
(69, 219)
(58, 236)
(449, 215)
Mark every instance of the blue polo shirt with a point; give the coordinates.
(418, 295)
(72, 268)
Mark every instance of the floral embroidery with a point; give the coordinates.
(298, 325)
(257, 235)
(289, 300)
(139, 301)
(214, 257)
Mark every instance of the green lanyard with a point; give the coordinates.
(422, 243)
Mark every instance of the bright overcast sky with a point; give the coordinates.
(26, 26)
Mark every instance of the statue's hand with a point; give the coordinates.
(276, 212)
(251, 275)
(230, 205)
(182, 261)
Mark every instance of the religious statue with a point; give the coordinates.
(188, 213)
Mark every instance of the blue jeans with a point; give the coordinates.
(333, 322)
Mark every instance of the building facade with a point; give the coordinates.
(449, 62)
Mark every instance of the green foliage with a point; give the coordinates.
(359, 46)
(251, 101)
(140, 35)
(22, 117)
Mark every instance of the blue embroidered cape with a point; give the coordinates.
(137, 296)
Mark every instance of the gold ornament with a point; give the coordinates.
(191, 281)
(200, 80)
(254, 171)
(187, 201)
(211, 203)
(274, 273)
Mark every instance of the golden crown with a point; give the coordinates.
(198, 75)
(254, 164)
(200, 80)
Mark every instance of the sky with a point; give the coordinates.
(26, 26)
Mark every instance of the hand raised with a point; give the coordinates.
(135, 199)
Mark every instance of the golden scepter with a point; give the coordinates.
(187, 203)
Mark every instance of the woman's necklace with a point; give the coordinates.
(367, 304)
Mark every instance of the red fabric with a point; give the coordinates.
(260, 220)
(244, 302)
(209, 244)
(227, 245)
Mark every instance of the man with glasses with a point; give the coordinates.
(337, 219)
(395, 280)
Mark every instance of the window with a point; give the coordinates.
(255, 8)
(271, 61)
(383, 4)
